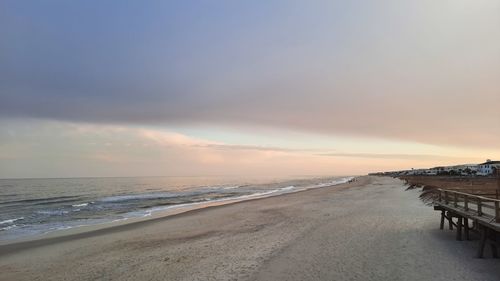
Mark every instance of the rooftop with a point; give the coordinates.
(490, 162)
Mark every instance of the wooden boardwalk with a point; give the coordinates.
(473, 213)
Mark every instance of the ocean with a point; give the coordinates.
(31, 207)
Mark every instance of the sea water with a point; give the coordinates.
(30, 207)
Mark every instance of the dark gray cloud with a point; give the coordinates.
(384, 70)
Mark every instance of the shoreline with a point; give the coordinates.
(84, 231)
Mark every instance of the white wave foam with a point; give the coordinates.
(52, 212)
(122, 198)
(11, 220)
(291, 187)
(8, 227)
(80, 205)
(283, 190)
(334, 182)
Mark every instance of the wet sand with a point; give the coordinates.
(368, 230)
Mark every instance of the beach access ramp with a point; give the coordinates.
(471, 213)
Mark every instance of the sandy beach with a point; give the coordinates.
(371, 229)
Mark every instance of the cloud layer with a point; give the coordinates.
(61, 149)
(424, 71)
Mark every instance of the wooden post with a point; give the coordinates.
(466, 203)
(446, 197)
(450, 221)
(493, 245)
(497, 211)
(466, 228)
(459, 228)
(498, 181)
(482, 242)
(440, 197)
(455, 199)
(479, 207)
(441, 226)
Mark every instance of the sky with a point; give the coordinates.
(138, 88)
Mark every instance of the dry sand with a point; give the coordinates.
(368, 230)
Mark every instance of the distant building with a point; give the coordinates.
(465, 170)
(415, 172)
(430, 172)
(484, 169)
(462, 170)
(441, 170)
(488, 167)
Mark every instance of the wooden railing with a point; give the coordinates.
(493, 194)
(479, 205)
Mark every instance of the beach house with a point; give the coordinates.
(487, 168)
